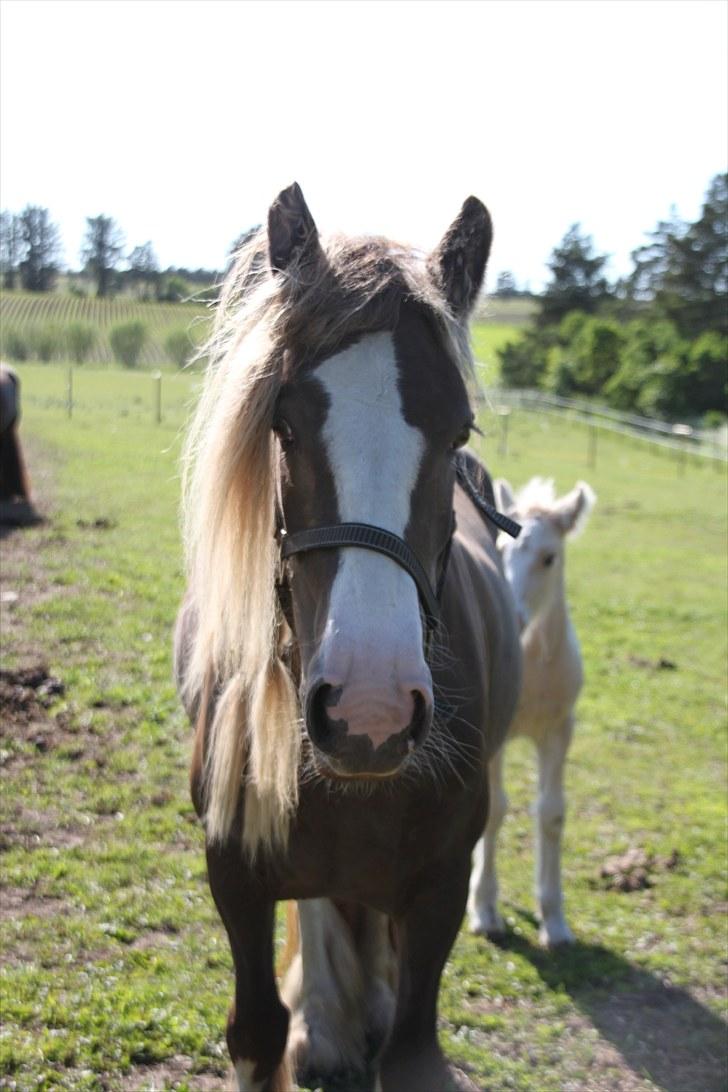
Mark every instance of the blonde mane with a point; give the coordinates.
(264, 321)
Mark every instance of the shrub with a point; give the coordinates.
(559, 375)
(14, 345)
(45, 341)
(179, 346)
(172, 289)
(709, 372)
(80, 339)
(127, 342)
(714, 419)
(523, 362)
(596, 351)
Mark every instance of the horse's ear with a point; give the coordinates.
(292, 233)
(572, 511)
(458, 263)
(504, 499)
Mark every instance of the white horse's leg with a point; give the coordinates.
(483, 900)
(550, 813)
(378, 961)
(325, 990)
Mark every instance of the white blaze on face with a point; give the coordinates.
(372, 646)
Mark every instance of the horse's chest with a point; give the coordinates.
(361, 847)
(549, 690)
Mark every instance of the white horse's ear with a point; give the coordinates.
(457, 265)
(292, 233)
(572, 511)
(504, 499)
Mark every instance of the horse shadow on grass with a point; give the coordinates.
(662, 1032)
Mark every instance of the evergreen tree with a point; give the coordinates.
(683, 269)
(577, 278)
(102, 250)
(11, 248)
(506, 285)
(41, 249)
(144, 267)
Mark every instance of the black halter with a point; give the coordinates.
(366, 537)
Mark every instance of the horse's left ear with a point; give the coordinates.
(292, 233)
(504, 500)
(572, 511)
(458, 263)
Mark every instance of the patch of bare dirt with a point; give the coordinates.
(26, 694)
(100, 523)
(173, 1072)
(661, 664)
(156, 938)
(31, 828)
(635, 869)
(19, 902)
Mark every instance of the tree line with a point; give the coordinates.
(654, 342)
(30, 258)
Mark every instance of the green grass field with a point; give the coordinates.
(116, 972)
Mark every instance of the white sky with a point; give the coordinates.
(182, 119)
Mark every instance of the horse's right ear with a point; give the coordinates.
(504, 499)
(292, 233)
(458, 263)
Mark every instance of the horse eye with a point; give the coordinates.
(461, 439)
(283, 431)
(549, 559)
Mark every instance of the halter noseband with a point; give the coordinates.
(367, 537)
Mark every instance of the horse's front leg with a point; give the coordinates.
(412, 1060)
(550, 813)
(485, 918)
(257, 1026)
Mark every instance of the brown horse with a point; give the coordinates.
(16, 507)
(13, 476)
(347, 648)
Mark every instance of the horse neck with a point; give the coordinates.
(547, 631)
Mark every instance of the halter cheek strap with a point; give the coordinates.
(505, 523)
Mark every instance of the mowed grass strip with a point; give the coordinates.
(116, 972)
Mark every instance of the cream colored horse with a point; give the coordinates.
(552, 679)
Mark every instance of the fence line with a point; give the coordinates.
(678, 438)
(146, 388)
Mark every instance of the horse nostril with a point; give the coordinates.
(321, 728)
(421, 717)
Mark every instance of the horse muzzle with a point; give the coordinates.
(359, 735)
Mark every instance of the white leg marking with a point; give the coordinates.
(375, 457)
(244, 1070)
(324, 989)
(551, 810)
(483, 902)
(379, 965)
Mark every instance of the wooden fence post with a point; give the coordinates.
(157, 377)
(684, 433)
(592, 454)
(504, 413)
